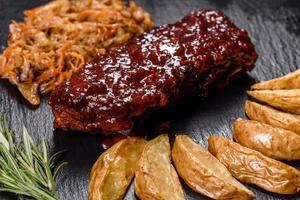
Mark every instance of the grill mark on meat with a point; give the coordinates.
(171, 60)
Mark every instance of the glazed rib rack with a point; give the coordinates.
(191, 56)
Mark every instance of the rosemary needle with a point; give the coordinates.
(26, 169)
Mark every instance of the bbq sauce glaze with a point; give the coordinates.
(108, 92)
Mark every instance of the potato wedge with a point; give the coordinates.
(204, 173)
(273, 142)
(155, 176)
(287, 100)
(251, 166)
(114, 169)
(272, 116)
(289, 81)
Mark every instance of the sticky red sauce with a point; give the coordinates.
(163, 127)
(147, 72)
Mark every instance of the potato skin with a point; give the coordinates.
(287, 100)
(289, 81)
(114, 169)
(273, 142)
(273, 117)
(204, 173)
(155, 176)
(251, 166)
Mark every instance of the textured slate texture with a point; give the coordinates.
(274, 26)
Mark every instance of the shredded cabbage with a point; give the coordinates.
(58, 38)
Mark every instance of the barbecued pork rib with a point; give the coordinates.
(193, 55)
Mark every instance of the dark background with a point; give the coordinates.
(274, 27)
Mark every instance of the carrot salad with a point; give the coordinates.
(58, 38)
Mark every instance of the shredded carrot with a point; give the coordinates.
(58, 38)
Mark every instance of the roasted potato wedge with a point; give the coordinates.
(204, 173)
(155, 177)
(272, 116)
(289, 81)
(114, 169)
(273, 142)
(251, 166)
(287, 100)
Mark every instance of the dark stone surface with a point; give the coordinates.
(274, 27)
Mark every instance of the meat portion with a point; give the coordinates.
(192, 56)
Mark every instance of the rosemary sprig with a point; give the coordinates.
(26, 169)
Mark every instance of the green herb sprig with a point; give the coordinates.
(26, 169)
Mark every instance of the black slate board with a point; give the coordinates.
(274, 27)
